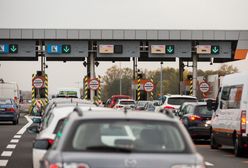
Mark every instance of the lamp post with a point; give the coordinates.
(120, 80)
(161, 79)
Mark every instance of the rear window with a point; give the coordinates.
(180, 100)
(56, 130)
(203, 111)
(5, 101)
(133, 135)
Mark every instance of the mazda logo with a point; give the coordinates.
(130, 163)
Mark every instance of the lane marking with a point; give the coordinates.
(11, 146)
(14, 141)
(229, 155)
(23, 129)
(17, 136)
(3, 162)
(209, 164)
(7, 153)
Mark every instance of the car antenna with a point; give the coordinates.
(79, 111)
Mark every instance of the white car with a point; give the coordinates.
(129, 103)
(46, 137)
(173, 102)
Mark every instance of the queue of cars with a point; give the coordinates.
(76, 134)
(80, 135)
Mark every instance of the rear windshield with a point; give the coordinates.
(180, 100)
(132, 135)
(203, 111)
(5, 101)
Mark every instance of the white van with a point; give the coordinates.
(9, 90)
(229, 120)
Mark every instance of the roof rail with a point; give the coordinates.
(78, 110)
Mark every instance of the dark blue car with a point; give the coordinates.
(9, 110)
(197, 119)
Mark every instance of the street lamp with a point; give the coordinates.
(161, 79)
(120, 80)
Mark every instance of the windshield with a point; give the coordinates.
(180, 100)
(5, 101)
(132, 135)
(203, 111)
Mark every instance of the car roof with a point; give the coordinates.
(106, 113)
(183, 96)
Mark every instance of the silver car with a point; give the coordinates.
(118, 139)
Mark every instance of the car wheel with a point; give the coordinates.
(213, 144)
(238, 151)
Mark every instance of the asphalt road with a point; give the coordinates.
(15, 145)
(21, 155)
(221, 158)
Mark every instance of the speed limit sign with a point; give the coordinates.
(149, 86)
(94, 84)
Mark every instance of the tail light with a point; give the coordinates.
(50, 141)
(10, 109)
(118, 106)
(243, 122)
(75, 165)
(168, 107)
(194, 117)
(55, 165)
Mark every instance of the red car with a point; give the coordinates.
(113, 100)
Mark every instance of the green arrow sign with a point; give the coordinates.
(66, 49)
(215, 49)
(170, 49)
(13, 48)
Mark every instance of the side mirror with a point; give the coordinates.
(35, 129)
(211, 105)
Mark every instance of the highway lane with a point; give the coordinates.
(222, 158)
(15, 145)
(21, 156)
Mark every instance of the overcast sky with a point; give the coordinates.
(113, 14)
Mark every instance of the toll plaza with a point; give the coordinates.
(92, 46)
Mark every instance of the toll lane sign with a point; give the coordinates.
(4, 48)
(9, 48)
(94, 84)
(149, 86)
(38, 82)
(204, 87)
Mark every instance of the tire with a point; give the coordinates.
(213, 144)
(238, 151)
(15, 122)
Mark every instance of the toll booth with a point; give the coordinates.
(40, 87)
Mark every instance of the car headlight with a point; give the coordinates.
(189, 166)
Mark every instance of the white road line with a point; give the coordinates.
(209, 164)
(17, 136)
(14, 141)
(6, 153)
(3, 163)
(11, 146)
(23, 129)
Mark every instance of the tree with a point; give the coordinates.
(112, 81)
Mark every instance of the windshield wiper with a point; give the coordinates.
(105, 148)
